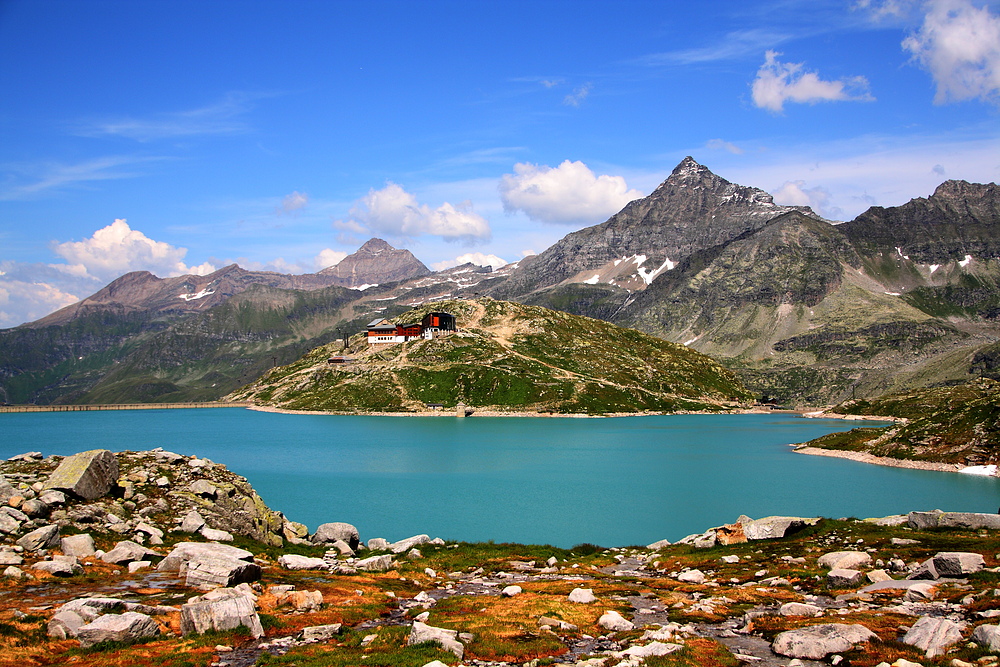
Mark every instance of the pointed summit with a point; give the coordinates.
(374, 263)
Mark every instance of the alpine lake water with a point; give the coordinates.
(561, 481)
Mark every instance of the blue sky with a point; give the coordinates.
(182, 136)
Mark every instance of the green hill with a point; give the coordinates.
(959, 424)
(508, 357)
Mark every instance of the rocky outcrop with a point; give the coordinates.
(126, 628)
(818, 641)
(87, 475)
(227, 610)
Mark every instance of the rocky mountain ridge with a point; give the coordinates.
(374, 263)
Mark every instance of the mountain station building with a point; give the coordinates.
(382, 331)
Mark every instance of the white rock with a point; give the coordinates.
(612, 620)
(582, 596)
(692, 577)
(447, 639)
(296, 562)
(127, 628)
(511, 591)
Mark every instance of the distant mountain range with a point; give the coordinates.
(804, 310)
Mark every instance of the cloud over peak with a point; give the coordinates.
(567, 194)
(395, 212)
(778, 82)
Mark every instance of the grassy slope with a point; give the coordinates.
(947, 424)
(508, 356)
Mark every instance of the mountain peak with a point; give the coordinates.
(375, 246)
(689, 168)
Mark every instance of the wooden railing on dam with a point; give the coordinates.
(117, 406)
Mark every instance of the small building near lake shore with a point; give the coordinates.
(382, 331)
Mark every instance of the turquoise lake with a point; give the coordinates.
(560, 481)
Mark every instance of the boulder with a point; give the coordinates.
(848, 560)
(203, 488)
(691, 577)
(844, 578)
(651, 649)
(331, 532)
(511, 591)
(12, 572)
(296, 562)
(920, 593)
(988, 636)
(187, 551)
(293, 530)
(125, 628)
(127, 551)
(320, 633)
(660, 544)
(381, 563)
(378, 544)
(6, 490)
(933, 635)
(192, 522)
(343, 547)
(774, 527)
(408, 543)
(556, 623)
(300, 600)
(65, 624)
(613, 621)
(212, 572)
(61, 566)
(818, 641)
(226, 613)
(8, 524)
(447, 639)
(957, 563)
(45, 537)
(799, 609)
(35, 508)
(87, 475)
(582, 596)
(81, 545)
(215, 535)
(939, 519)
(10, 558)
(52, 498)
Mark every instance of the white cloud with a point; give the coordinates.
(293, 202)
(395, 212)
(795, 193)
(570, 193)
(719, 144)
(578, 95)
(35, 179)
(223, 117)
(478, 258)
(117, 249)
(327, 258)
(778, 82)
(959, 45)
(22, 301)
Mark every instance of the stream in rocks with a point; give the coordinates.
(560, 481)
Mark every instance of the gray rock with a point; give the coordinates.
(184, 552)
(659, 544)
(799, 609)
(8, 524)
(848, 560)
(64, 566)
(381, 563)
(192, 523)
(296, 562)
(957, 563)
(331, 532)
(10, 558)
(557, 624)
(844, 578)
(691, 577)
(215, 535)
(218, 615)
(80, 546)
(35, 508)
(12, 572)
(45, 537)
(920, 593)
(818, 641)
(64, 624)
(378, 544)
(343, 547)
(149, 529)
(320, 633)
(939, 519)
(447, 639)
(988, 636)
(774, 527)
(126, 628)
(511, 591)
(52, 498)
(208, 573)
(203, 488)
(582, 596)
(409, 543)
(127, 551)
(293, 530)
(613, 621)
(87, 475)
(6, 490)
(14, 513)
(933, 635)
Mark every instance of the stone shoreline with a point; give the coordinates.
(863, 457)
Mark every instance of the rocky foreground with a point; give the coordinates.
(153, 558)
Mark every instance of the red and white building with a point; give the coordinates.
(383, 331)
